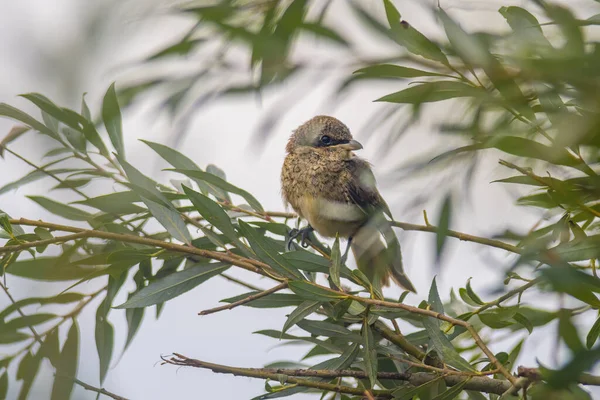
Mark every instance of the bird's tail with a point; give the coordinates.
(377, 252)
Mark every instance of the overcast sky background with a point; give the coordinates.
(63, 48)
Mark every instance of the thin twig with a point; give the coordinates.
(240, 282)
(459, 235)
(56, 240)
(248, 299)
(97, 390)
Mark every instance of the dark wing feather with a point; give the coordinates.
(362, 188)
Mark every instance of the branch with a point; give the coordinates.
(45, 242)
(248, 299)
(181, 360)
(98, 390)
(241, 262)
(477, 383)
(459, 235)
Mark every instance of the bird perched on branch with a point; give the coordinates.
(335, 191)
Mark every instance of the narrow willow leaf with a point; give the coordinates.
(170, 219)
(214, 214)
(592, 335)
(104, 335)
(392, 71)
(173, 285)
(13, 134)
(4, 385)
(66, 370)
(369, 353)
(405, 393)
(25, 321)
(453, 392)
(438, 339)
(344, 361)
(431, 92)
(568, 332)
(63, 298)
(13, 113)
(303, 310)
(443, 227)
(273, 300)
(49, 269)
(60, 209)
(335, 263)
(328, 329)
(115, 203)
(28, 370)
(173, 157)
(51, 349)
(523, 320)
(134, 317)
(265, 250)
(314, 292)
(111, 115)
(143, 185)
(222, 184)
(12, 337)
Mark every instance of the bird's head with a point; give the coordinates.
(320, 132)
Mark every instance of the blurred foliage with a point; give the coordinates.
(530, 95)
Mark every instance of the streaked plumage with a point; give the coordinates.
(336, 192)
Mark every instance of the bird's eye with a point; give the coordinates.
(325, 140)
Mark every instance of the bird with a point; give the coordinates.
(335, 191)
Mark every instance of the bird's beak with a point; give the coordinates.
(351, 145)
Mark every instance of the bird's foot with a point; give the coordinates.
(303, 233)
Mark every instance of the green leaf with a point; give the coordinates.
(4, 385)
(104, 334)
(50, 349)
(11, 112)
(13, 134)
(25, 322)
(170, 219)
(314, 292)
(523, 320)
(72, 183)
(63, 298)
(443, 227)
(392, 71)
(522, 147)
(60, 209)
(173, 157)
(222, 184)
(335, 263)
(28, 369)
(273, 300)
(173, 285)
(12, 337)
(469, 47)
(214, 214)
(578, 250)
(369, 353)
(404, 393)
(66, 370)
(438, 339)
(392, 14)
(111, 114)
(303, 310)
(432, 91)
(49, 269)
(568, 332)
(592, 335)
(452, 392)
(265, 250)
(342, 362)
(328, 329)
(119, 203)
(134, 317)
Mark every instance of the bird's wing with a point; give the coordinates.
(362, 188)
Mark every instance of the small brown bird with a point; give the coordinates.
(335, 191)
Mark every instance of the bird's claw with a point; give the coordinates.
(304, 234)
